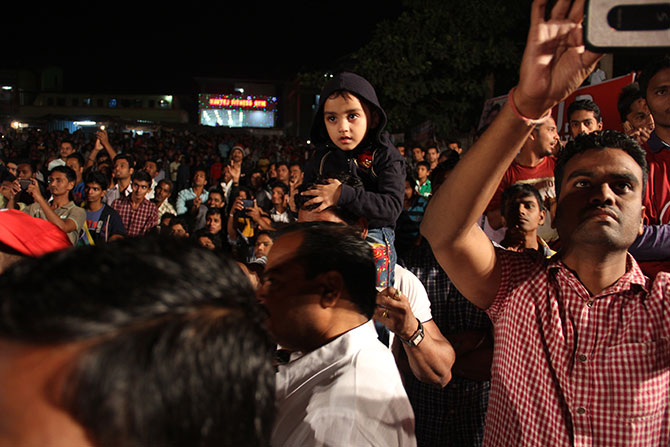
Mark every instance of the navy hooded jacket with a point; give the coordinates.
(375, 160)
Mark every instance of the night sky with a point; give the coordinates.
(129, 48)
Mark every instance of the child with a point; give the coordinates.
(348, 132)
(423, 186)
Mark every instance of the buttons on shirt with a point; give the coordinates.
(581, 410)
(582, 358)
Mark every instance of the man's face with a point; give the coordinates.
(401, 149)
(162, 192)
(237, 155)
(524, 213)
(600, 201)
(93, 192)
(584, 121)
(295, 173)
(213, 223)
(546, 139)
(12, 168)
(65, 150)
(282, 173)
(178, 230)
(215, 200)
(59, 184)
(256, 180)
(455, 147)
(24, 171)
(640, 116)
(658, 97)
(417, 153)
(292, 301)
(140, 189)
(278, 197)
(346, 121)
(73, 163)
(122, 169)
(263, 245)
(200, 178)
(151, 168)
(432, 155)
(32, 379)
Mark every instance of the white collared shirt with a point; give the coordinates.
(346, 393)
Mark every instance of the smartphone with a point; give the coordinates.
(620, 25)
(247, 203)
(25, 183)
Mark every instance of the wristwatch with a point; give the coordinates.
(416, 338)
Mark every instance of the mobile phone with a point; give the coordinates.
(247, 203)
(25, 183)
(619, 25)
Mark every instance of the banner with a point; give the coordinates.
(604, 94)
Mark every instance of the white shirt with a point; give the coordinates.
(346, 393)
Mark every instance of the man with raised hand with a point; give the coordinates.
(581, 354)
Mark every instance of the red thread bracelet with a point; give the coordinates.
(529, 121)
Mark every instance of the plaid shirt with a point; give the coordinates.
(453, 415)
(137, 221)
(573, 369)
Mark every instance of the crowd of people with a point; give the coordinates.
(259, 291)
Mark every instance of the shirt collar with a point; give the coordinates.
(632, 277)
(655, 143)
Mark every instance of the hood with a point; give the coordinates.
(360, 87)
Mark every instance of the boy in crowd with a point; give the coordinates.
(137, 213)
(423, 186)
(524, 212)
(104, 223)
(635, 115)
(61, 210)
(348, 131)
(584, 117)
(76, 161)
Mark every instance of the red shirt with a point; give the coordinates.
(137, 221)
(572, 369)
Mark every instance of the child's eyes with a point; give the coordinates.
(330, 118)
(352, 116)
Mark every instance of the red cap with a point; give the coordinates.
(30, 235)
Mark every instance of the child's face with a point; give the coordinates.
(422, 173)
(346, 120)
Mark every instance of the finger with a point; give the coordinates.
(577, 12)
(537, 11)
(560, 9)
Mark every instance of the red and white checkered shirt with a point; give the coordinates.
(573, 369)
(137, 221)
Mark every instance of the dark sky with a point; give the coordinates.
(144, 48)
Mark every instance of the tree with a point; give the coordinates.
(438, 60)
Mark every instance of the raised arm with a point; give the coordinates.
(554, 64)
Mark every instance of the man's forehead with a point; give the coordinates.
(591, 160)
(284, 250)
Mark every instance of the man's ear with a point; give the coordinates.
(641, 230)
(543, 215)
(332, 284)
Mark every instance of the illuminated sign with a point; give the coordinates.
(228, 102)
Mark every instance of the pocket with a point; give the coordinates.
(635, 378)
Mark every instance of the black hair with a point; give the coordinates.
(279, 184)
(181, 220)
(78, 157)
(438, 173)
(329, 247)
(212, 211)
(96, 177)
(424, 164)
(657, 64)
(296, 163)
(68, 171)
(162, 348)
(629, 94)
(68, 141)
(200, 169)
(167, 182)
(585, 104)
(129, 158)
(600, 140)
(520, 190)
(142, 176)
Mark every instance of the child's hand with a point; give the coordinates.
(324, 195)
